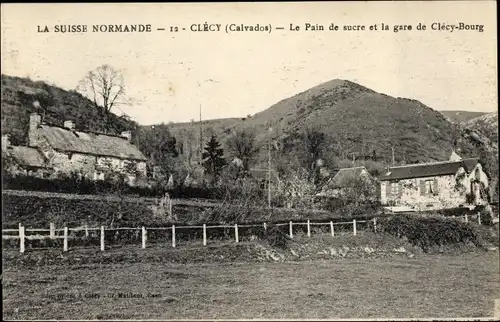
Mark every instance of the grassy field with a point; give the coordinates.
(396, 287)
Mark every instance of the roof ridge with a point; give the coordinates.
(360, 167)
(91, 132)
(431, 163)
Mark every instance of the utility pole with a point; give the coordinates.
(393, 162)
(269, 175)
(201, 139)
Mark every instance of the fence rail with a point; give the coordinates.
(22, 236)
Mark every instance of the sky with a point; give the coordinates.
(170, 75)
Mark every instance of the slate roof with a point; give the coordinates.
(428, 169)
(62, 139)
(26, 156)
(344, 176)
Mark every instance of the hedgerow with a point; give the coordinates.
(427, 232)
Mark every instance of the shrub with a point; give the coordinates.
(276, 237)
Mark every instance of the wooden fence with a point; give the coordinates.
(23, 236)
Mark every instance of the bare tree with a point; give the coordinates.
(105, 87)
(242, 145)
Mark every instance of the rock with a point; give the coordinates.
(368, 250)
(400, 250)
(275, 257)
(333, 252)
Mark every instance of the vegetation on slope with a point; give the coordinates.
(355, 120)
(57, 105)
(461, 116)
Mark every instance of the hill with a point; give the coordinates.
(356, 120)
(486, 125)
(58, 105)
(461, 116)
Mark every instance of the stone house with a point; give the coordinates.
(24, 160)
(437, 185)
(93, 155)
(345, 181)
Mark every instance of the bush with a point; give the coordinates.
(431, 231)
(276, 237)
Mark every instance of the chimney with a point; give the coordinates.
(35, 121)
(5, 142)
(69, 125)
(127, 135)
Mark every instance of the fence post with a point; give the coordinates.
(52, 233)
(236, 236)
(204, 234)
(86, 230)
(102, 238)
(265, 227)
(375, 225)
(173, 236)
(479, 218)
(308, 228)
(65, 242)
(331, 229)
(354, 227)
(466, 219)
(21, 238)
(291, 229)
(144, 236)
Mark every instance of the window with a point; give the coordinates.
(394, 188)
(429, 187)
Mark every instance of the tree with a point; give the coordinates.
(295, 190)
(105, 87)
(213, 158)
(241, 145)
(160, 146)
(313, 142)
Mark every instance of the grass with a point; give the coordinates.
(396, 287)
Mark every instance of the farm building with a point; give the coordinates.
(348, 181)
(67, 150)
(437, 185)
(24, 160)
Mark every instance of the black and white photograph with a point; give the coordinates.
(250, 161)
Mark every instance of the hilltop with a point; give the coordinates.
(356, 120)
